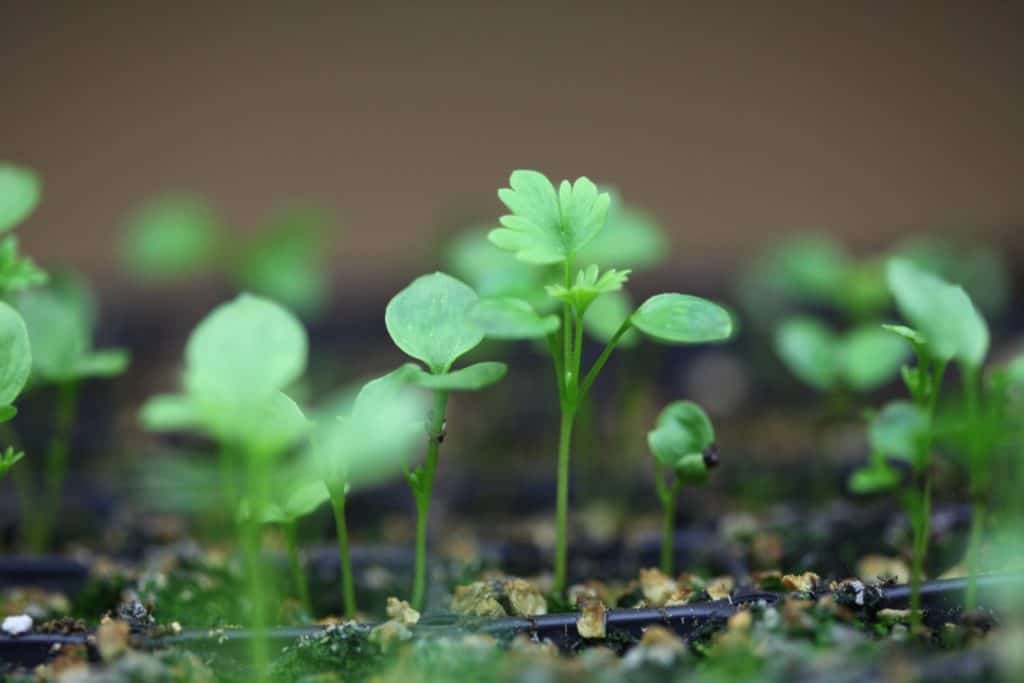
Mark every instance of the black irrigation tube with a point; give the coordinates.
(625, 624)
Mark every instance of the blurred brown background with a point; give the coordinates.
(732, 121)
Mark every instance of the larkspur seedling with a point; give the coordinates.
(433, 321)
(683, 445)
(20, 192)
(60, 320)
(15, 365)
(178, 237)
(371, 442)
(946, 327)
(551, 228)
(238, 362)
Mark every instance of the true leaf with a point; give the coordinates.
(588, 286)
(470, 378)
(17, 272)
(430, 320)
(546, 226)
(15, 354)
(809, 349)
(20, 190)
(506, 318)
(682, 319)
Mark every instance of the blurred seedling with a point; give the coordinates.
(15, 365)
(550, 228)
(175, 238)
(20, 192)
(683, 445)
(60, 319)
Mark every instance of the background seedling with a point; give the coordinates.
(178, 237)
(60, 320)
(549, 227)
(20, 192)
(238, 361)
(683, 444)
(15, 365)
(432, 320)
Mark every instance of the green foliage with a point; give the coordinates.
(59, 320)
(682, 433)
(630, 239)
(941, 313)
(493, 272)
(863, 359)
(981, 270)
(682, 319)
(238, 361)
(470, 378)
(430, 320)
(17, 272)
(172, 237)
(8, 458)
(606, 315)
(547, 226)
(20, 190)
(507, 318)
(901, 430)
(588, 286)
(15, 355)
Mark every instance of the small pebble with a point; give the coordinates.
(17, 625)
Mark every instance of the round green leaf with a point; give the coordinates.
(470, 378)
(20, 190)
(682, 319)
(809, 349)
(15, 354)
(170, 238)
(430, 320)
(504, 318)
(58, 330)
(245, 350)
(682, 429)
(899, 430)
(870, 356)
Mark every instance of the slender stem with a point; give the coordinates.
(977, 473)
(556, 355)
(40, 527)
(423, 487)
(668, 528)
(348, 588)
(603, 358)
(291, 534)
(22, 476)
(562, 502)
(258, 588)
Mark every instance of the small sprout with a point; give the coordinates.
(171, 238)
(436, 320)
(20, 191)
(8, 459)
(588, 287)
(683, 444)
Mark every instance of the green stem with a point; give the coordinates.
(603, 358)
(668, 528)
(257, 584)
(562, 501)
(40, 526)
(423, 488)
(979, 513)
(348, 588)
(921, 524)
(291, 534)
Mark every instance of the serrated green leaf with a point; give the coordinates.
(20, 190)
(506, 318)
(605, 316)
(430, 320)
(8, 459)
(172, 237)
(810, 350)
(870, 356)
(17, 272)
(682, 433)
(588, 286)
(244, 351)
(899, 431)
(682, 319)
(15, 354)
(942, 313)
(547, 226)
(471, 378)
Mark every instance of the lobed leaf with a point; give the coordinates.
(682, 319)
(588, 286)
(20, 190)
(430, 320)
(545, 226)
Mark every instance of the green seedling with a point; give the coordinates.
(432, 320)
(175, 238)
(20, 191)
(683, 444)
(550, 228)
(238, 362)
(372, 442)
(15, 365)
(60, 320)
(946, 328)
(860, 360)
